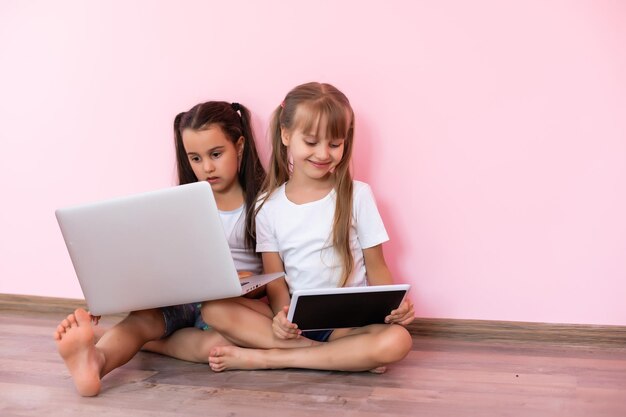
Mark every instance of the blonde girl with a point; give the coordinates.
(323, 229)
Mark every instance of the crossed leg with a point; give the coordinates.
(248, 323)
(238, 320)
(361, 349)
(188, 344)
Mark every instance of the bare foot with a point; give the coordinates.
(75, 341)
(379, 370)
(224, 358)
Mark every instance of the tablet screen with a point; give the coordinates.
(334, 311)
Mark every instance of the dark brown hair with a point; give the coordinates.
(234, 120)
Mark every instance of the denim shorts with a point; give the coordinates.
(317, 335)
(182, 316)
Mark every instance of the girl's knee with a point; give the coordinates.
(152, 315)
(211, 310)
(149, 321)
(393, 344)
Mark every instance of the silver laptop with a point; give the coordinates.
(154, 249)
(334, 308)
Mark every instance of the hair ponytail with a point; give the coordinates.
(278, 169)
(251, 175)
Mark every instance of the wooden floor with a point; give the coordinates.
(450, 372)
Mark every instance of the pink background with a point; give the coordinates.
(493, 133)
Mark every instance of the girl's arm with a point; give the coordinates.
(278, 297)
(378, 274)
(277, 291)
(377, 271)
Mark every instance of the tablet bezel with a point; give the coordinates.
(349, 297)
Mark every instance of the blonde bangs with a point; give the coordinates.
(312, 116)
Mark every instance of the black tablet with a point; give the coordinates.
(335, 308)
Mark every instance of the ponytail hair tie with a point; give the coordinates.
(236, 106)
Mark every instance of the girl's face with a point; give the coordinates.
(213, 157)
(314, 155)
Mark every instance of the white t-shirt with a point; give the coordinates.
(302, 236)
(234, 223)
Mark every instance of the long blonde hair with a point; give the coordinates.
(320, 101)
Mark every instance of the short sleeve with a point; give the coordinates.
(368, 222)
(265, 236)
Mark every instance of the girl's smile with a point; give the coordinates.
(320, 165)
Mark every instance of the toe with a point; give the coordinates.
(82, 317)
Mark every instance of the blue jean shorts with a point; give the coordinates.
(182, 316)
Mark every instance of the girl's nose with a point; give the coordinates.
(323, 151)
(208, 166)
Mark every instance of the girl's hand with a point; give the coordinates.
(283, 328)
(402, 315)
(244, 274)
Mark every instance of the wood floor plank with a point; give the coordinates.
(446, 374)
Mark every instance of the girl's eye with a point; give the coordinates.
(310, 143)
(336, 145)
(194, 158)
(216, 155)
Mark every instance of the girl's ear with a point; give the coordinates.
(239, 145)
(284, 136)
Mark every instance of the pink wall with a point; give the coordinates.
(493, 133)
